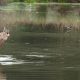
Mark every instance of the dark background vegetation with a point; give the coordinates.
(39, 1)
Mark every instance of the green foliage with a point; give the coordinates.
(15, 0)
(43, 1)
(30, 1)
(62, 1)
(42, 11)
(27, 1)
(64, 9)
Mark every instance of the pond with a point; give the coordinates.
(46, 56)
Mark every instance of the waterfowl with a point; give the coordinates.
(4, 36)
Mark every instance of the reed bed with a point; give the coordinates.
(49, 22)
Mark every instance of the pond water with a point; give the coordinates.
(42, 56)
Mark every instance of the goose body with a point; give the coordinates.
(4, 36)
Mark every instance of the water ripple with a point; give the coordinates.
(10, 60)
(39, 56)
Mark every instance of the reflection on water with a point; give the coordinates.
(9, 60)
(46, 56)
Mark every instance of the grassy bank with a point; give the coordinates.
(42, 24)
(49, 20)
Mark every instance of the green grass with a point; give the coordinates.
(49, 21)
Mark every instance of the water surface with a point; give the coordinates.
(42, 56)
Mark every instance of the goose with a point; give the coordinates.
(4, 36)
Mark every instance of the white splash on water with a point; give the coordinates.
(6, 58)
(38, 56)
(10, 60)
